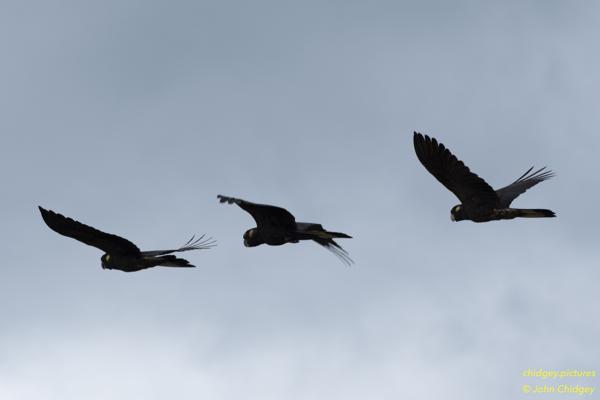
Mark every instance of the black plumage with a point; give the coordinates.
(479, 202)
(120, 253)
(276, 226)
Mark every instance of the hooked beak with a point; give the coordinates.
(246, 243)
(452, 217)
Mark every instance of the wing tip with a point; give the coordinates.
(225, 199)
(47, 214)
(418, 137)
(427, 143)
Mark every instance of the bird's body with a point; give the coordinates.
(480, 203)
(276, 226)
(138, 262)
(120, 253)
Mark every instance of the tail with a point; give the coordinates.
(316, 232)
(311, 230)
(510, 213)
(170, 261)
(327, 234)
(536, 213)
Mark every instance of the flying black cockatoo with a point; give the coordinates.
(480, 203)
(120, 253)
(276, 226)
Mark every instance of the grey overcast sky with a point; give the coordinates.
(131, 116)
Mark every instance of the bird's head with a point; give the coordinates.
(105, 260)
(457, 214)
(252, 238)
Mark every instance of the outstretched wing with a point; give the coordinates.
(509, 193)
(107, 242)
(336, 249)
(200, 243)
(264, 215)
(452, 173)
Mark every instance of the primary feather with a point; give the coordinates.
(507, 194)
